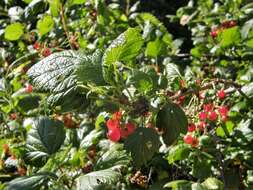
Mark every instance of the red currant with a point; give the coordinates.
(114, 135)
(130, 128)
(221, 94)
(223, 110)
(36, 45)
(202, 115)
(188, 139)
(212, 116)
(214, 33)
(202, 126)
(208, 107)
(117, 115)
(195, 142)
(112, 124)
(28, 88)
(191, 127)
(123, 133)
(46, 52)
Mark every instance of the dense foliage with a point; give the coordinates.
(126, 94)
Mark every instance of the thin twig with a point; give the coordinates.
(65, 28)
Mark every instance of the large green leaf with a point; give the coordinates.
(126, 47)
(14, 31)
(59, 74)
(172, 120)
(142, 145)
(98, 179)
(44, 138)
(141, 81)
(34, 182)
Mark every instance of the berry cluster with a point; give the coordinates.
(209, 115)
(115, 130)
(139, 179)
(45, 51)
(224, 25)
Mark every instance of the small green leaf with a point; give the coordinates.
(179, 184)
(142, 81)
(213, 184)
(154, 48)
(179, 152)
(14, 31)
(142, 145)
(45, 25)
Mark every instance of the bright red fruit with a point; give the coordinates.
(46, 52)
(224, 118)
(202, 126)
(195, 142)
(36, 45)
(28, 88)
(223, 110)
(123, 133)
(117, 115)
(221, 94)
(214, 33)
(208, 107)
(212, 116)
(130, 128)
(112, 124)
(114, 135)
(13, 116)
(202, 115)
(191, 127)
(188, 139)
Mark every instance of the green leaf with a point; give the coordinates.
(142, 145)
(178, 152)
(126, 47)
(34, 182)
(98, 179)
(141, 81)
(54, 7)
(14, 31)
(114, 156)
(248, 89)
(91, 71)
(179, 185)
(172, 70)
(44, 138)
(230, 37)
(28, 102)
(172, 120)
(45, 25)
(57, 74)
(91, 138)
(154, 48)
(201, 168)
(77, 2)
(213, 184)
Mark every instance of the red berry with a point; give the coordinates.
(232, 23)
(212, 116)
(208, 107)
(13, 116)
(223, 110)
(114, 135)
(130, 128)
(195, 142)
(221, 94)
(112, 124)
(28, 88)
(123, 133)
(214, 33)
(202, 94)
(117, 115)
(46, 52)
(188, 139)
(202, 115)
(181, 100)
(202, 126)
(224, 118)
(36, 45)
(191, 127)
